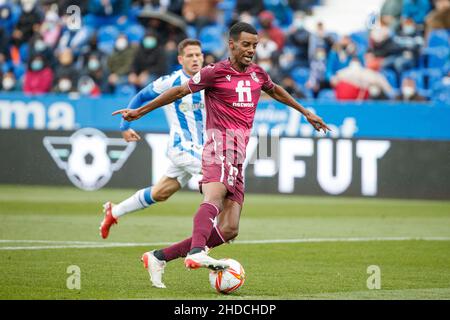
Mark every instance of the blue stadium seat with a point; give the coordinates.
(106, 37)
(135, 33)
(125, 90)
(211, 38)
(300, 75)
(326, 94)
(438, 38)
(227, 6)
(361, 39)
(436, 57)
(391, 77)
(431, 77)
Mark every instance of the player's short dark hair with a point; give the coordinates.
(188, 42)
(239, 27)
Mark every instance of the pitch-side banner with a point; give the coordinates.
(372, 120)
(91, 159)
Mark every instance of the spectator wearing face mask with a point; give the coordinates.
(66, 72)
(266, 19)
(96, 71)
(37, 46)
(121, 61)
(7, 20)
(409, 91)
(51, 28)
(265, 51)
(88, 87)
(38, 77)
(299, 37)
(9, 82)
(319, 39)
(317, 75)
(410, 40)
(340, 56)
(383, 46)
(149, 62)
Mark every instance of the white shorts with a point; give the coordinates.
(183, 165)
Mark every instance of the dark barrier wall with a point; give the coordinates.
(91, 159)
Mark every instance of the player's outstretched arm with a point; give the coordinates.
(163, 99)
(280, 94)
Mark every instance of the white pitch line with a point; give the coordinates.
(92, 244)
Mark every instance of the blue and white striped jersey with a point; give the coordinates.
(186, 116)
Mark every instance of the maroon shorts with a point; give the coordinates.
(230, 175)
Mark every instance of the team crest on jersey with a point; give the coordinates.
(254, 77)
(196, 78)
(228, 77)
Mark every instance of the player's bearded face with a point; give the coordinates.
(243, 50)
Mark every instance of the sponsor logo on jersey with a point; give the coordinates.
(228, 77)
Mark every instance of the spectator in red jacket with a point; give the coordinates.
(266, 19)
(39, 76)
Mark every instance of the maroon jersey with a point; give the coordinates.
(231, 98)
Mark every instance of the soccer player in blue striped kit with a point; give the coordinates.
(186, 118)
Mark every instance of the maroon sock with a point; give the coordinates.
(181, 249)
(203, 224)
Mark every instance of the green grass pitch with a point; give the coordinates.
(44, 230)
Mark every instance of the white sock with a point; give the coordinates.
(138, 201)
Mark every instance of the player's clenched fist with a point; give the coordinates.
(128, 114)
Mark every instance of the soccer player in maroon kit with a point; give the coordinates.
(232, 90)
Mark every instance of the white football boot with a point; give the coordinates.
(202, 260)
(155, 269)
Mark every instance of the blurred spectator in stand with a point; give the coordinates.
(37, 45)
(319, 39)
(302, 5)
(265, 51)
(409, 91)
(121, 61)
(66, 71)
(383, 46)
(91, 48)
(7, 19)
(210, 58)
(298, 37)
(439, 18)
(410, 40)
(88, 87)
(356, 82)
(107, 12)
(391, 12)
(28, 24)
(51, 28)
(317, 75)
(173, 6)
(9, 82)
(38, 77)
(281, 11)
(416, 10)
(340, 56)
(200, 13)
(95, 69)
(252, 7)
(291, 86)
(4, 51)
(149, 62)
(266, 19)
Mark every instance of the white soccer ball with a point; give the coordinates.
(228, 280)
